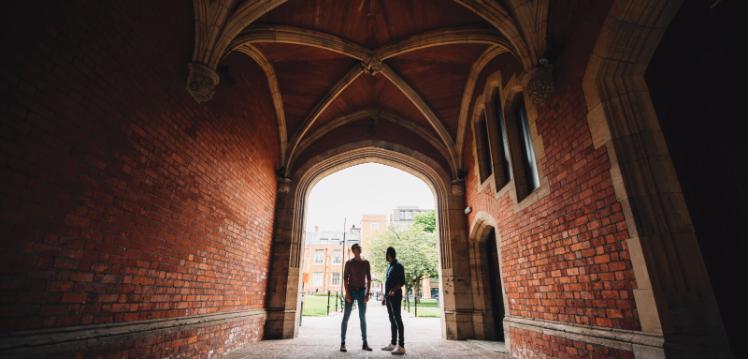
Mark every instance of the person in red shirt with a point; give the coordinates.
(357, 283)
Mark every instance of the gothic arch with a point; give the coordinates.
(283, 284)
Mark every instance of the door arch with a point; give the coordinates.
(489, 292)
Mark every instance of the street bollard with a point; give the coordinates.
(302, 308)
(328, 302)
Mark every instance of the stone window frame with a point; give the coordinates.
(501, 154)
(483, 165)
(516, 141)
(507, 94)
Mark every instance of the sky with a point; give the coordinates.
(369, 188)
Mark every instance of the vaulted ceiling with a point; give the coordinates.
(341, 70)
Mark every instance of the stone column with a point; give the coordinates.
(458, 300)
(283, 282)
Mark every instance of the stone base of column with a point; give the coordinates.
(280, 324)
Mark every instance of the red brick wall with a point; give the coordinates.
(564, 257)
(532, 344)
(123, 199)
(198, 342)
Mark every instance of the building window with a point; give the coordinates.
(375, 226)
(319, 256)
(484, 152)
(336, 279)
(527, 172)
(500, 146)
(530, 161)
(336, 259)
(318, 278)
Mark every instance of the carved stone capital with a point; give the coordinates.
(201, 82)
(540, 87)
(284, 184)
(372, 65)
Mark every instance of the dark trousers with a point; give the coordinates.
(396, 319)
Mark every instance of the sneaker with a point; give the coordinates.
(366, 347)
(399, 350)
(342, 347)
(389, 347)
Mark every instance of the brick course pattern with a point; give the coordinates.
(123, 199)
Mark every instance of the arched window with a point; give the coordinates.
(485, 169)
(501, 158)
(526, 178)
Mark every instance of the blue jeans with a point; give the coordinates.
(357, 295)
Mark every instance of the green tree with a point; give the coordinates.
(416, 251)
(428, 220)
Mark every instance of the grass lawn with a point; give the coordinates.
(426, 308)
(316, 305)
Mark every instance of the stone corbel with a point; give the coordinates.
(540, 87)
(201, 82)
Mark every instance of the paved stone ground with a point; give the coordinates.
(319, 337)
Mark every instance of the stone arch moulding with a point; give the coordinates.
(674, 297)
(375, 113)
(280, 114)
(481, 225)
(283, 282)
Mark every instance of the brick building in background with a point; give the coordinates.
(323, 258)
(371, 226)
(585, 155)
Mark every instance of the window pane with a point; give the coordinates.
(505, 162)
(319, 256)
(533, 181)
(484, 152)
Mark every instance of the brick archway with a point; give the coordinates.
(283, 285)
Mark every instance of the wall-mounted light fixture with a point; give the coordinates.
(468, 209)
